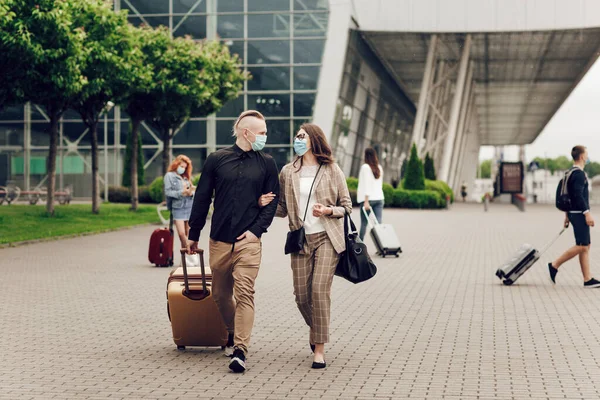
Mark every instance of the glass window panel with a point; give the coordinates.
(303, 104)
(306, 78)
(154, 22)
(278, 132)
(40, 135)
(71, 115)
(271, 105)
(310, 24)
(11, 134)
(225, 132)
(195, 26)
(185, 6)
(147, 138)
(73, 130)
(232, 108)
(298, 123)
(13, 113)
(193, 132)
(268, 52)
(308, 51)
(280, 154)
(230, 5)
(310, 5)
(230, 26)
(269, 78)
(197, 156)
(268, 5)
(146, 6)
(268, 25)
(36, 113)
(235, 47)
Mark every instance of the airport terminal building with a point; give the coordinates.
(450, 76)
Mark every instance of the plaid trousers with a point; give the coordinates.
(313, 275)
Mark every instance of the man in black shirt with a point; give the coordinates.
(237, 176)
(581, 219)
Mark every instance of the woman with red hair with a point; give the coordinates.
(179, 192)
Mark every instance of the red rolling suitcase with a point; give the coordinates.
(160, 251)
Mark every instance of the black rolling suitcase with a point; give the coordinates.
(521, 261)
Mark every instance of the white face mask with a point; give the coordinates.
(180, 170)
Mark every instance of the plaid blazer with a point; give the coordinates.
(330, 189)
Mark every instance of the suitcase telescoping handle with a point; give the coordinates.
(554, 239)
(200, 254)
(370, 221)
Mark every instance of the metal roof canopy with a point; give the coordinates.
(521, 78)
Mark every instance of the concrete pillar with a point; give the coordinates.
(455, 110)
(27, 147)
(462, 126)
(423, 105)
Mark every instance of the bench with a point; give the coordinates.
(12, 193)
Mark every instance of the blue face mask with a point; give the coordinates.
(259, 141)
(300, 147)
(587, 161)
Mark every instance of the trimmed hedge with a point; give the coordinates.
(120, 194)
(418, 199)
(388, 194)
(441, 187)
(352, 183)
(157, 189)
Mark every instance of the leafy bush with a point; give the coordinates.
(118, 194)
(352, 183)
(429, 168)
(157, 190)
(418, 199)
(415, 176)
(440, 187)
(195, 180)
(388, 194)
(144, 195)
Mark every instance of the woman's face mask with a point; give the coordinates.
(180, 170)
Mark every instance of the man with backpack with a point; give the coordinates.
(573, 198)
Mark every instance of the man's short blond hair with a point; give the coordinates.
(247, 113)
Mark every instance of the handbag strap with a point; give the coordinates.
(310, 192)
(348, 221)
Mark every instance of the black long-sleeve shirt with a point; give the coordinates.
(578, 189)
(237, 178)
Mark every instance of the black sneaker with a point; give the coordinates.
(230, 340)
(238, 361)
(553, 271)
(591, 284)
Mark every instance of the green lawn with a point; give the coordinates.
(26, 222)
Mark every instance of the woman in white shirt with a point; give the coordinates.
(370, 189)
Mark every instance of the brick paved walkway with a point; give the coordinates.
(86, 318)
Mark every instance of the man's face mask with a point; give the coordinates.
(259, 141)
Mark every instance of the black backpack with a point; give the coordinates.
(563, 199)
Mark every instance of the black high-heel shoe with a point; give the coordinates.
(318, 365)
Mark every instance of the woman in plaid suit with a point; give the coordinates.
(313, 267)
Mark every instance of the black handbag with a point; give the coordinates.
(355, 264)
(295, 239)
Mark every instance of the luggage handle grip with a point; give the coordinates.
(554, 239)
(370, 222)
(200, 254)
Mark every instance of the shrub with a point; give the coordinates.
(418, 199)
(388, 194)
(352, 183)
(195, 179)
(415, 177)
(144, 195)
(429, 168)
(118, 194)
(440, 187)
(157, 190)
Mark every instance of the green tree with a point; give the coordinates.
(54, 72)
(415, 176)
(17, 53)
(592, 169)
(140, 161)
(193, 78)
(429, 168)
(137, 101)
(486, 169)
(109, 53)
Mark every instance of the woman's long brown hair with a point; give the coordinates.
(373, 162)
(318, 143)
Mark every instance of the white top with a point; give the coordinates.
(368, 185)
(312, 224)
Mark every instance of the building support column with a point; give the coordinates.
(106, 156)
(462, 127)
(455, 110)
(117, 141)
(437, 98)
(440, 127)
(211, 34)
(27, 147)
(423, 105)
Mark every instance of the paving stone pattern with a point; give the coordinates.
(86, 318)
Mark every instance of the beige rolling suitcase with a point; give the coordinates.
(194, 316)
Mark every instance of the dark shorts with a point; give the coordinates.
(581, 229)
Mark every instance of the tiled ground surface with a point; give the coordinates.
(86, 318)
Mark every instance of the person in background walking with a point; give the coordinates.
(179, 193)
(581, 219)
(370, 189)
(463, 191)
(325, 205)
(236, 176)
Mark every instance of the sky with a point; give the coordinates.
(576, 122)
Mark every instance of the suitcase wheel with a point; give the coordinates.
(500, 273)
(397, 255)
(181, 348)
(507, 282)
